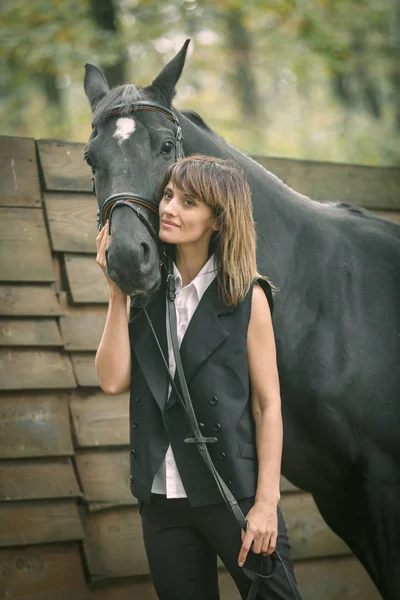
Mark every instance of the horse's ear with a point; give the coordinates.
(95, 84)
(165, 82)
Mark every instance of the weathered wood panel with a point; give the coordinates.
(63, 166)
(19, 177)
(34, 425)
(72, 222)
(339, 578)
(49, 572)
(99, 419)
(31, 369)
(24, 523)
(82, 327)
(38, 479)
(120, 530)
(374, 187)
(28, 301)
(371, 187)
(309, 535)
(29, 332)
(86, 281)
(389, 216)
(25, 252)
(84, 368)
(104, 475)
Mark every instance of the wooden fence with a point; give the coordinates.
(69, 526)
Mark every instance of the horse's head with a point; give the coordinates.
(135, 137)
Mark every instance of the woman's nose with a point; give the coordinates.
(170, 208)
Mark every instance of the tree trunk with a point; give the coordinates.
(105, 16)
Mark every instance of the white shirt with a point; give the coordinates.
(167, 479)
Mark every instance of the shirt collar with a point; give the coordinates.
(202, 280)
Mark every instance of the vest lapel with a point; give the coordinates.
(204, 334)
(146, 348)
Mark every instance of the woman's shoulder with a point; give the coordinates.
(267, 288)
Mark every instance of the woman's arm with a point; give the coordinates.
(113, 357)
(262, 521)
(265, 397)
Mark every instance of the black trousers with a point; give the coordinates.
(182, 544)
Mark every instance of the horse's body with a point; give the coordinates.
(336, 323)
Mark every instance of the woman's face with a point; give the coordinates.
(184, 218)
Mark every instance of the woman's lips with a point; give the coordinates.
(169, 224)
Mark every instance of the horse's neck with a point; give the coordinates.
(282, 215)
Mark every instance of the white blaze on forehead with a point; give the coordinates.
(124, 129)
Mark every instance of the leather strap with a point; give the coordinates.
(201, 442)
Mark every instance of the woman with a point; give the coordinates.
(227, 346)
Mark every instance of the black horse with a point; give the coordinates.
(337, 311)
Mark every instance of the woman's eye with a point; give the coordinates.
(167, 147)
(191, 202)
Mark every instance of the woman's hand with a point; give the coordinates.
(102, 241)
(262, 530)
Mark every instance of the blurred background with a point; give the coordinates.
(308, 79)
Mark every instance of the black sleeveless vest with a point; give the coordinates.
(214, 358)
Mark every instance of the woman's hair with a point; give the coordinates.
(221, 184)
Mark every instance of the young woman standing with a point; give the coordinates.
(225, 333)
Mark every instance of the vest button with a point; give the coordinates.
(135, 424)
(137, 398)
(217, 427)
(213, 400)
(133, 452)
(229, 482)
(222, 455)
(131, 478)
(201, 425)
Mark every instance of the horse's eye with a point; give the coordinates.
(89, 161)
(167, 147)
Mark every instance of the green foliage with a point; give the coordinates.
(297, 78)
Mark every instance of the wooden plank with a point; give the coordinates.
(388, 215)
(113, 544)
(137, 588)
(24, 523)
(309, 535)
(286, 486)
(84, 369)
(19, 177)
(29, 332)
(120, 530)
(72, 222)
(63, 166)
(339, 578)
(82, 327)
(99, 419)
(86, 281)
(25, 252)
(49, 572)
(28, 301)
(34, 425)
(371, 187)
(38, 479)
(104, 476)
(32, 369)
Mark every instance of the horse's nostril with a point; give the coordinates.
(146, 252)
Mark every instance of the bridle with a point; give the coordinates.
(135, 201)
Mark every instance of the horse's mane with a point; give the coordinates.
(197, 120)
